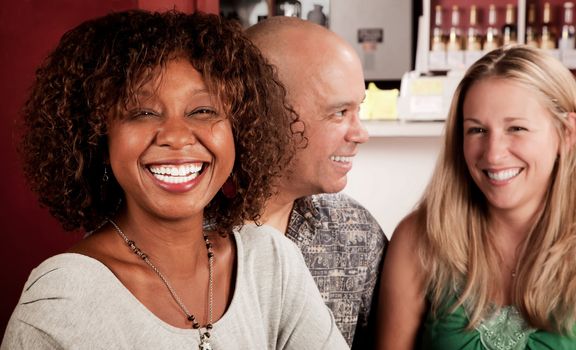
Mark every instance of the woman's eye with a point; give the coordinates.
(517, 128)
(204, 112)
(475, 130)
(139, 114)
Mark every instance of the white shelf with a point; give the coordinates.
(399, 128)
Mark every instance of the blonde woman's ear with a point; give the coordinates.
(570, 130)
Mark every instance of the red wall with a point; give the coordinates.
(28, 31)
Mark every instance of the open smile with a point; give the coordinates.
(342, 159)
(503, 175)
(176, 173)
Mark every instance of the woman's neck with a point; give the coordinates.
(177, 245)
(515, 225)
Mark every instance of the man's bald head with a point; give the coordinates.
(304, 54)
(298, 48)
(281, 34)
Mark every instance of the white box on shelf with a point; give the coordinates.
(426, 98)
(472, 56)
(455, 59)
(553, 52)
(437, 60)
(569, 58)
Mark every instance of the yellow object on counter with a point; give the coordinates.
(427, 87)
(379, 104)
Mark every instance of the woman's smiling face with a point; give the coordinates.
(510, 144)
(172, 149)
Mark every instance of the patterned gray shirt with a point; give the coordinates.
(343, 247)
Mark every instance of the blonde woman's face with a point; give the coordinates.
(510, 145)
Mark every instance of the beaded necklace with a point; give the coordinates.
(204, 335)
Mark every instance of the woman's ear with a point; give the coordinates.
(570, 137)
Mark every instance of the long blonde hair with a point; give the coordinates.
(457, 252)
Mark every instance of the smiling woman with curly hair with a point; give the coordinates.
(159, 134)
(98, 67)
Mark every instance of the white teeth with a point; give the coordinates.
(341, 159)
(174, 179)
(503, 175)
(176, 173)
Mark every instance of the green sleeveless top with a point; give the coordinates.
(505, 330)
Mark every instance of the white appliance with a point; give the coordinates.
(381, 33)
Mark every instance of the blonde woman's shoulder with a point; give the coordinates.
(402, 296)
(407, 230)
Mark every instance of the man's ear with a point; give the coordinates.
(570, 137)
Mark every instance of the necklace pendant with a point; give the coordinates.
(204, 344)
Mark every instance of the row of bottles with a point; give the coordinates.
(476, 39)
(547, 38)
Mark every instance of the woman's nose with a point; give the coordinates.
(175, 133)
(496, 148)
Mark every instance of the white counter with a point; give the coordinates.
(391, 170)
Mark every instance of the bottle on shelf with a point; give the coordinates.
(438, 37)
(492, 33)
(531, 33)
(473, 39)
(455, 34)
(509, 29)
(566, 40)
(317, 15)
(290, 8)
(547, 37)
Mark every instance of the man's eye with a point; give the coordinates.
(341, 113)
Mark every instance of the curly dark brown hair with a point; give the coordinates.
(97, 67)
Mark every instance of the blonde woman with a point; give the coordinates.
(495, 231)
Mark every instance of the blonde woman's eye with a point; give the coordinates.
(475, 130)
(517, 128)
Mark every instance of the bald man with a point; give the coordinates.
(342, 243)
